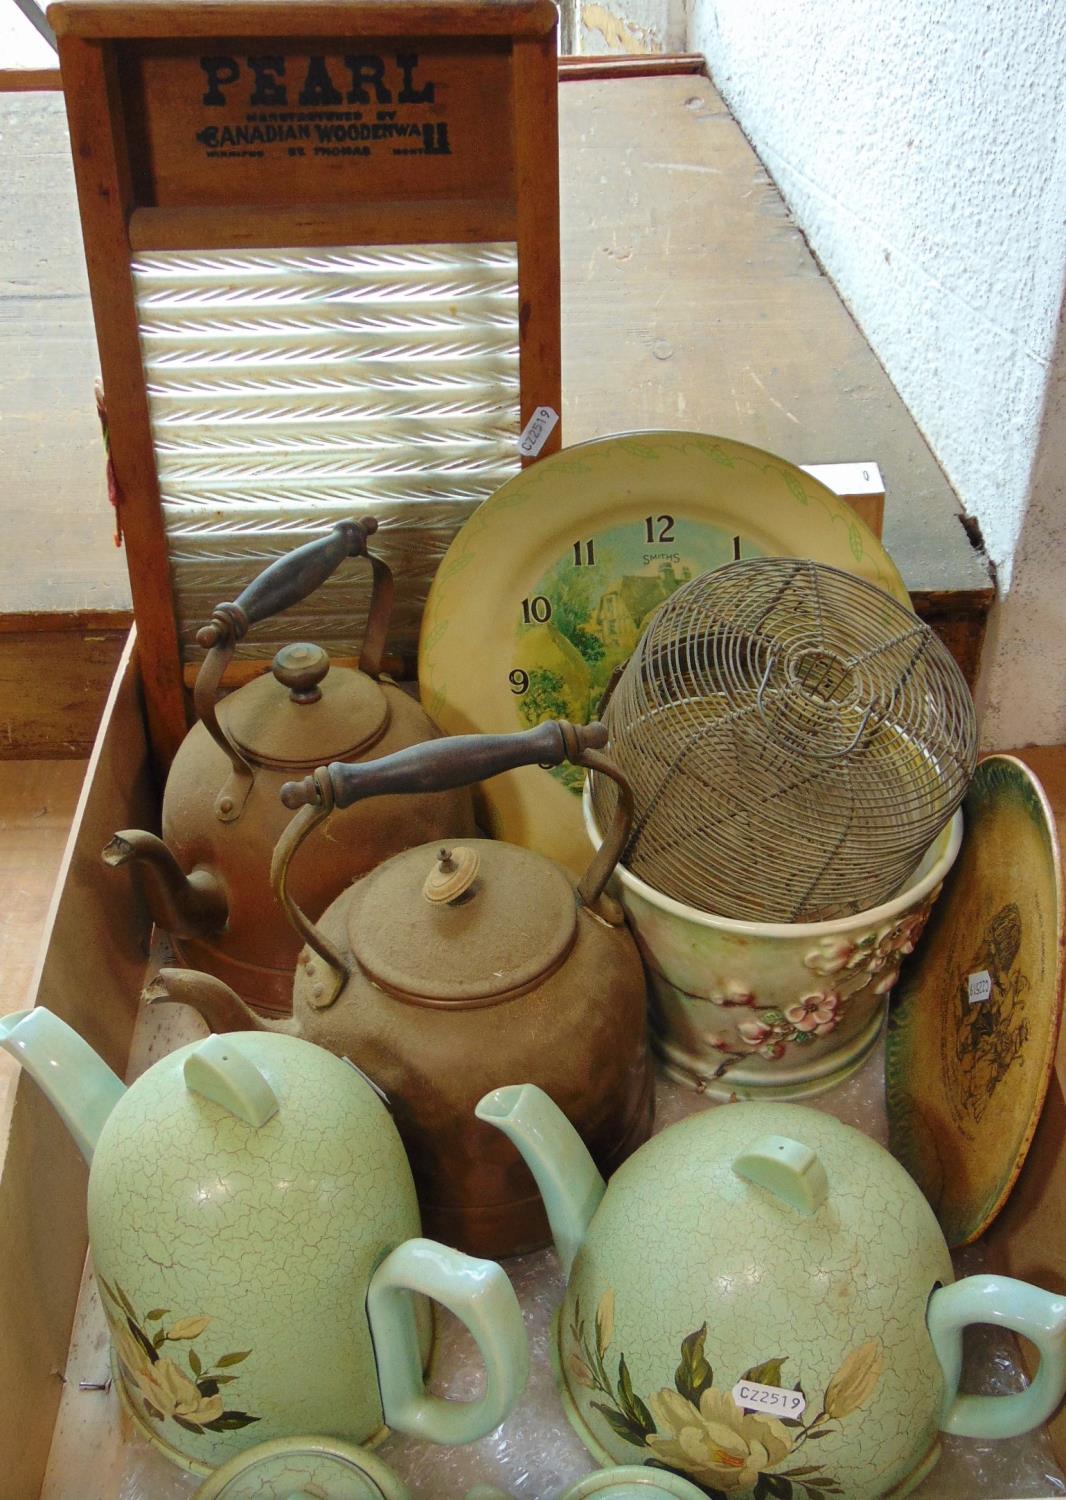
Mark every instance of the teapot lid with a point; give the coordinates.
(469, 924)
(303, 712)
(304, 1468)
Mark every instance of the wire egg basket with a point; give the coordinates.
(795, 739)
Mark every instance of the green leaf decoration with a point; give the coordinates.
(693, 1375)
(194, 1363)
(232, 1359)
(798, 1473)
(156, 1314)
(825, 1432)
(207, 1386)
(620, 1424)
(768, 1373)
(855, 541)
(772, 1016)
(778, 1486)
(159, 1338)
(231, 1421)
(224, 1379)
(813, 1494)
(189, 1426)
(802, 1038)
(631, 1403)
(797, 492)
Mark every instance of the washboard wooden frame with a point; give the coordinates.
(478, 78)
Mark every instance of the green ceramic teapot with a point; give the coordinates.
(255, 1236)
(762, 1302)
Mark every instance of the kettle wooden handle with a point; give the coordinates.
(286, 581)
(281, 585)
(462, 760)
(459, 760)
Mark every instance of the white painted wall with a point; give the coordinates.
(922, 148)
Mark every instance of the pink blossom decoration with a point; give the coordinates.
(735, 993)
(817, 1013)
(754, 1032)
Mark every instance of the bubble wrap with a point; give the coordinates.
(535, 1454)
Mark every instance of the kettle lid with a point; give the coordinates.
(303, 712)
(470, 924)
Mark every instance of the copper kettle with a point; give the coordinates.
(449, 967)
(207, 880)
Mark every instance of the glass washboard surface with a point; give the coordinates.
(289, 389)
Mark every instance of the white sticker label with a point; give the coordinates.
(848, 479)
(772, 1398)
(980, 987)
(537, 431)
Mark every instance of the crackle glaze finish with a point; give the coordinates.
(773, 1010)
(241, 1256)
(834, 1302)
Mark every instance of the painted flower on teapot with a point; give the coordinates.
(704, 1430)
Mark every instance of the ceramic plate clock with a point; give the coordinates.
(972, 1029)
(549, 584)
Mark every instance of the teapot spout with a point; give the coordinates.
(75, 1080)
(565, 1173)
(190, 906)
(222, 1008)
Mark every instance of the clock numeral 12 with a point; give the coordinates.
(536, 611)
(584, 554)
(665, 525)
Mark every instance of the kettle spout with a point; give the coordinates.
(75, 1080)
(553, 1151)
(222, 1008)
(189, 906)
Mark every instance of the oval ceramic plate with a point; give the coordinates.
(548, 585)
(972, 1029)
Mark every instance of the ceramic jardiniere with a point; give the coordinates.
(762, 1302)
(255, 1237)
(773, 1010)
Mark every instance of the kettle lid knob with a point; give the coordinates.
(787, 1169)
(455, 872)
(301, 667)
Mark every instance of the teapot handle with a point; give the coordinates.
(281, 585)
(480, 1295)
(1037, 1315)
